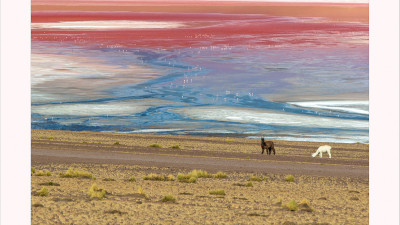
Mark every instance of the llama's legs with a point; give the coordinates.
(329, 153)
(320, 154)
(262, 150)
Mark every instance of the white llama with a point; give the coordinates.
(321, 149)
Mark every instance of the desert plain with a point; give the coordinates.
(233, 182)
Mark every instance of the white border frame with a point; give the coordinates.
(15, 158)
(15, 112)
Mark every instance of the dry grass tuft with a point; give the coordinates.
(132, 179)
(200, 174)
(43, 192)
(289, 178)
(51, 183)
(170, 178)
(33, 171)
(187, 178)
(95, 192)
(175, 147)
(153, 176)
(217, 192)
(117, 143)
(43, 173)
(220, 175)
(168, 198)
(142, 193)
(291, 206)
(254, 178)
(155, 146)
(76, 173)
(108, 179)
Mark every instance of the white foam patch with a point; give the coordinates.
(150, 131)
(108, 25)
(244, 115)
(98, 109)
(360, 107)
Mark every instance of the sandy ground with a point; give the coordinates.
(336, 189)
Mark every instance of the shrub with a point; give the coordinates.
(168, 198)
(186, 178)
(155, 146)
(95, 192)
(141, 192)
(254, 178)
(132, 179)
(289, 178)
(50, 138)
(109, 179)
(43, 192)
(153, 176)
(200, 174)
(42, 173)
(220, 175)
(76, 173)
(292, 205)
(33, 171)
(249, 184)
(170, 178)
(175, 147)
(217, 192)
(117, 143)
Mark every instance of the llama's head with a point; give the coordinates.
(314, 154)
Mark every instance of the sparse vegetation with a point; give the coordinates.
(43, 192)
(43, 173)
(168, 198)
(50, 138)
(254, 178)
(108, 179)
(142, 193)
(116, 143)
(51, 183)
(249, 184)
(292, 205)
(155, 146)
(76, 173)
(354, 199)
(220, 175)
(217, 192)
(200, 174)
(33, 171)
(187, 178)
(170, 178)
(289, 178)
(153, 176)
(132, 179)
(95, 192)
(175, 147)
